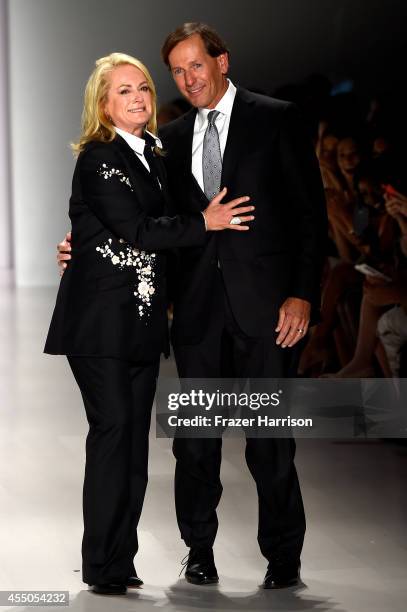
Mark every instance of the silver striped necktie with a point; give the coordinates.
(211, 158)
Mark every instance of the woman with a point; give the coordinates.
(379, 296)
(110, 314)
(338, 177)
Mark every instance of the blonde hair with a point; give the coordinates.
(95, 123)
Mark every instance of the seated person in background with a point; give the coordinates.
(378, 296)
(341, 198)
(171, 111)
(373, 228)
(372, 236)
(392, 325)
(326, 150)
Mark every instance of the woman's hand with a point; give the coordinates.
(396, 206)
(63, 252)
(218, 216)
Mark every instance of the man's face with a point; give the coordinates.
(199, 77)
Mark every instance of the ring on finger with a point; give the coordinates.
(235, 221)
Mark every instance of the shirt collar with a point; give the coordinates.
(135, 142)
(224, 106)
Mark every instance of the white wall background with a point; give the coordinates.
(5, 195)
(53, 45)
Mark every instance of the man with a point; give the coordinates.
(246, 302)
(241, 306)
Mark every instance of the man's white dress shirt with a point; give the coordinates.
(222, 122)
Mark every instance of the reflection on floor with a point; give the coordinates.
(355, 496)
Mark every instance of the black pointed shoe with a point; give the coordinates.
(281, 575)
(133, 582)
(200, 567)
(108, 589)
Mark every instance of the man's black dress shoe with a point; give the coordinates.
(200, 567)
(133, 582)
(280, 575)
(108, 589)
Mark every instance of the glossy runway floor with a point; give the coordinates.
(355, 494)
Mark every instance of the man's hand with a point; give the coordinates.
(63, 252)
(293, 321)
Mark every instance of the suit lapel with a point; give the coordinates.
(184, 141)
(239, 134)
(183, 155)
(137, 168)
(160, 170)
(135, 164)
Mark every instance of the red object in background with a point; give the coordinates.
(390, 191)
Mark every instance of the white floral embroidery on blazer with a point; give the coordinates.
(145, 269)
(107, 173)
(129, 256)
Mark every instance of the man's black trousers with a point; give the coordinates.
(225, 351)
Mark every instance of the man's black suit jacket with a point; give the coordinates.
(112, 297)
(269, 156)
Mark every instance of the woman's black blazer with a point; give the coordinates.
(112, 297)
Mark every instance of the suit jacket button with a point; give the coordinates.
(121, 241)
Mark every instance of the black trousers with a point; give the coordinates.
(225, 351)
(118, 396)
